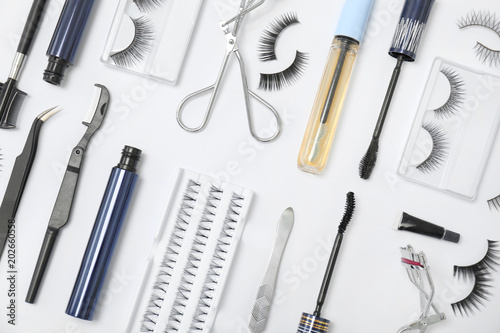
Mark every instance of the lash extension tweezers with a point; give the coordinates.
(245, 7)
(418, 272)
(62, 207)
(20, 174)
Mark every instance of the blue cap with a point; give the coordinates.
(352, 22)
(410, 29)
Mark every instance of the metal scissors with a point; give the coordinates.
(245, 7)
(418, 272)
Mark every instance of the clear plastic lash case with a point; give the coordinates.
(151, 37)
(454, 129)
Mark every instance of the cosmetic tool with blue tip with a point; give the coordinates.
(405, 43)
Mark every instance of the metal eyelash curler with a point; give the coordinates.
(245, 7)
(418, 272)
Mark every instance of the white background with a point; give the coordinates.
(370, 291)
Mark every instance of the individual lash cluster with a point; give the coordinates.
(487, 20)
(480, 274)
(182, 287)
(267, 52)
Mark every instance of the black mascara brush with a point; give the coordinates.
(12, 98)
(314, 323)
(404, 48)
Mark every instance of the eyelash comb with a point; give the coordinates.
(404, 47)
(314, 322)
(62, 208)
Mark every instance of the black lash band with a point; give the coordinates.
(277, 81)
(487, 55)
(148, 5)
(457, 92)
(267, 42)
(439, 146)
(140, 45)
(481, 273)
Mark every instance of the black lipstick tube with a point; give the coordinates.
(411, 223)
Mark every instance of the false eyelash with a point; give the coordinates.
(267, 42)
(487, 20)
(487, 55)
(494, 203)
(140, 45)
(148, 5)
(438, 152)
(457, 92)
(481, 273)
(277, 81)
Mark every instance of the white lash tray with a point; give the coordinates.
(454, 129)
(191, 255)
(151, 39)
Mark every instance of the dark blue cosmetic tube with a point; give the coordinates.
(66, 38)
(104, 236)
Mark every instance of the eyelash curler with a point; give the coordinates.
(245, 7)
(418, 272)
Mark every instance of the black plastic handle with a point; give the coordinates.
(41, 264)
(31, 26)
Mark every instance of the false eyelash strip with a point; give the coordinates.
(192, 252)
(148, 5)
(488, 20)
(139, 47)
(267, 42)
(482, 19)
(277, 81)
(480, 273)
(457, 94)
(439, 148)
(494, 203)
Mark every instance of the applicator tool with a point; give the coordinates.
(11, 98)
(407, 38)
(313, 323)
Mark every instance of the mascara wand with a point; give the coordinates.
(407, 38)
(314, 323)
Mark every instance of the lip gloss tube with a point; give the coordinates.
(104, 235)
(327, 107)
(66, 39)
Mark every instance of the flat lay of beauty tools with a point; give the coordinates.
(208, 126)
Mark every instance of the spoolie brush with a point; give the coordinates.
(407, 38)
(314, 323)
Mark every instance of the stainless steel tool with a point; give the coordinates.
(245, 7)
(265, 295)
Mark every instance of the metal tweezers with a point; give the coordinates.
(418, 272)
(245, 7)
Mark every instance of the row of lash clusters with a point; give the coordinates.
(189, 275)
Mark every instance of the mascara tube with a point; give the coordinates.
(327, 107)
(66, 38)
(104, 235)
(411, 223)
